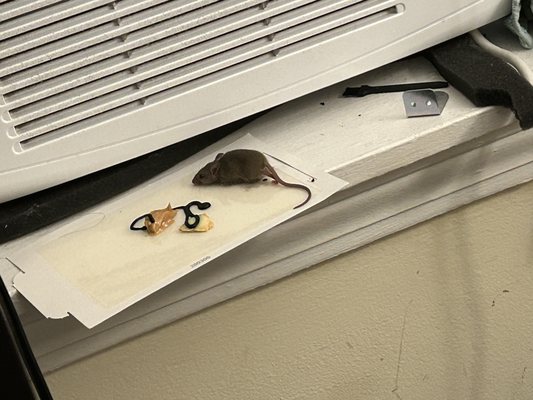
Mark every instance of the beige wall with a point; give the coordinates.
(441, 311)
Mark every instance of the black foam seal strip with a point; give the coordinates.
(29, 213)
(483, 78)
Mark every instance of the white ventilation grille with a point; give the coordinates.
(66, 65)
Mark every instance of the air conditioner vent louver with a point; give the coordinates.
(65, 65)
(99, 82)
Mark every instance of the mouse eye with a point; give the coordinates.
(201, 176)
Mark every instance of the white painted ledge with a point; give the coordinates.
(401, 172)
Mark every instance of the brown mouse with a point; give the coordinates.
(241, 166)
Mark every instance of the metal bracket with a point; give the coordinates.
(420, 103)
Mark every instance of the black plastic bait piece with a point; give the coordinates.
(186, 209)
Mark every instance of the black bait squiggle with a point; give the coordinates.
(186, 209)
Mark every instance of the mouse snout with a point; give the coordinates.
(199, 179)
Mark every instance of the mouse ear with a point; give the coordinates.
(215, 166)
(219, 156)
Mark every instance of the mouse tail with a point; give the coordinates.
(271, 173)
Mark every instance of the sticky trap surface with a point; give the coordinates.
(95, 266)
